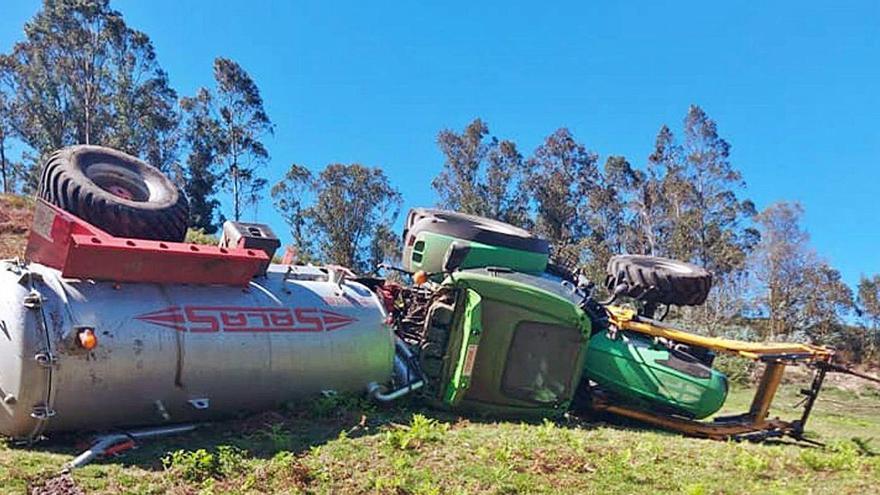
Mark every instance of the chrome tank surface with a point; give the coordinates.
(179, 353)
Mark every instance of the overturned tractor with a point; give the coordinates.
(112, 322)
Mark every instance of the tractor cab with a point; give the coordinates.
(504, 343)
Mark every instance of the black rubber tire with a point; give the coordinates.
(145, 204)
(659, 280)
(473, 228)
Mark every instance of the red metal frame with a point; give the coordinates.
(81, 250)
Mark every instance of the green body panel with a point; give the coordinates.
(429, 250)
(640, 373)
(472, 328)
(528, 296)
(491, 311)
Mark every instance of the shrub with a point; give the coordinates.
(198, 236)
(738, 370)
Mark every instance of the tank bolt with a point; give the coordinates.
(160, 407)
(33, 300)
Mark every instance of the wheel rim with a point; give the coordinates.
(119, 181)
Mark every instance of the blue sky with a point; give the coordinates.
(794, 86)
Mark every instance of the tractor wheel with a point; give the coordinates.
(477, 229)
(658, 280)
(115, 192)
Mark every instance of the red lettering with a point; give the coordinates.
(209, 322)
(264, 319)
(302, 314)
(283, 319)
(212, 319)
(233, 320)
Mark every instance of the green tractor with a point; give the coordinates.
(493, 326)
(497, 329)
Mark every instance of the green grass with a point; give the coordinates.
(344, 445)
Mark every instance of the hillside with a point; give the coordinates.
(15, 219)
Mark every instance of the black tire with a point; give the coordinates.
(115, 192)
(473, 228)
(658, 280)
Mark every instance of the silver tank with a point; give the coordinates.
(179, 353)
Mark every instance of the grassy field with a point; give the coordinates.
(342, 445)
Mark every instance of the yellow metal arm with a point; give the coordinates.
(627, 319)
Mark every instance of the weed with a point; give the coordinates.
(753, 463)
(420, 431)
(696, 489)
(547, 430)
(333, 405)
(843, 456)
(278, 436)
(201, 465)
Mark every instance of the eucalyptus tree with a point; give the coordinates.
(562, 179)
(342, 215)
(231, 122)
(83, 76)
(481, 175)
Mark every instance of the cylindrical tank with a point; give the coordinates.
(179, 353)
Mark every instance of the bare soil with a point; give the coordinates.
(62, 484)
(16, 214)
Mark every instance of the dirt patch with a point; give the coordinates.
(62, 484)
(853, 383)
(803, 375)
(258, 422)
(16, 214)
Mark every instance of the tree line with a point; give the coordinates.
(82, 75)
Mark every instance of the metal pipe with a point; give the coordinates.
(375, 391)
(99, 447)
(103, 443)
(162, 431)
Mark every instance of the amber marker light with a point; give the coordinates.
(420, 277)
(87, 339)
